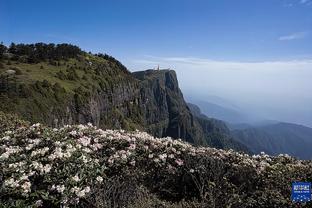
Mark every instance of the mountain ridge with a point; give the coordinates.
(79, 87)
(279, 138)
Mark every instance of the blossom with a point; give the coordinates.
(85, 141)
(99, 179)
(179, 162)
(60, 188)
(26, 187)
(38, 203)
(11, 183)
(156, 160)
(132, 163)
(73, 133)
(163, 157)
(76, 178)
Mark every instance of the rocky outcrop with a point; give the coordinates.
(164, 109)
(109, 96)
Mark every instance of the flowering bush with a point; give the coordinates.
(44, 167)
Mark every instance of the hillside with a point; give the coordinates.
(39, 168)
(61, 84)
(218, 132)
(223, 111)
(295, 140)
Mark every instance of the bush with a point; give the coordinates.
(87, 167)
(9, 122)
(17, 70)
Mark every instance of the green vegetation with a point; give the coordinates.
(61, 84)
(40, 81)
(82, 166)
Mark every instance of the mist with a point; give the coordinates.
(272, 90)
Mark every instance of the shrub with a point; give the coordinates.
(87, 167)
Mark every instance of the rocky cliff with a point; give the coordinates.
(98, 89)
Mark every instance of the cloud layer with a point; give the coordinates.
(272, 89)
(294, 36)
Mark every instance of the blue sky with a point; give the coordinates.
(248, 30)
(255, 53)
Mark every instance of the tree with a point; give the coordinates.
(3, 49)
(41, 51)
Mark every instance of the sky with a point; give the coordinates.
(256, 54)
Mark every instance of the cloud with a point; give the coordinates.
(203, 63)
(304, 1)
(294, 36)
(277, 89)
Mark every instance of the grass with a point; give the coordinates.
(80, 77)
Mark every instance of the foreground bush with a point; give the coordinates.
(83, 166)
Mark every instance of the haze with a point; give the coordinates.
(255, 54)
(267, 90)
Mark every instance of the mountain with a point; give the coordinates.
(226, 113)
(61, 84)
(216, 130)
(279, 138)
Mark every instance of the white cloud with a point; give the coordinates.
(279, 89)
(294, 36)
(304, 1)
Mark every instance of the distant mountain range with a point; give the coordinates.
(269, 136)
(222, 111)
(293, 139)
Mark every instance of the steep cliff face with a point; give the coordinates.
(114, 108)
(101, 91)
(164, 109)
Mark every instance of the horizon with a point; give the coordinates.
(261, 62)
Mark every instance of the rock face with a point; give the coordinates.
(111, 97)
(151, 101)
(164, 109)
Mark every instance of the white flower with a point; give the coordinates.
(5, 155)
(38, 203)
(11, 183)
(85, 141)
(163, 157)
(29, 146)
(80, 193)
(99, 179)
(192, 171)
(76, 178)
(132, 163)
(47, 168)
(179, 162)
(26, 187)
(87, 189)
(150, 156)
(23, 177)
(36, 125)
(132, 147)
(73, 133)
(60, 188)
